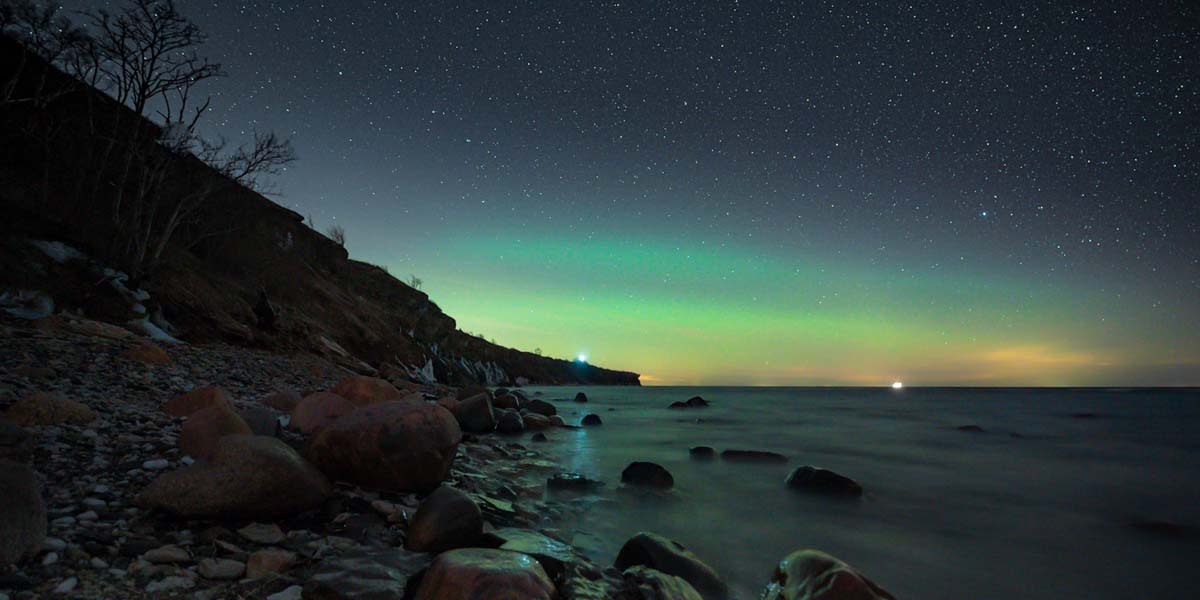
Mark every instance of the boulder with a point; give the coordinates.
(758, 456)
(678, 404)
(246, 477)
(197, 399)
(581, 397)
(262, 420)
(591, 420)
(970, 428)
(399, 446)
(647, 474)
(822, 481)
(814, 575)
(147, 352)
(668, 556)
(270, 560)
(319, 410)
(508, 401)
(702, 453)
(284, 402)
(538, 437)
(22, 513)
(447, 519)
(552, 554)
(541, 407)
(557, 421)
(534, 421)
(199, 434)
(467, 392)
(572, 482)
(475, 414)
(696, 402)
(476, 573)
(650, 584)
(375, 576)
(510, 421)
(362, 390)
(48, 408)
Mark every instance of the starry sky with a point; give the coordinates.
(755, 193)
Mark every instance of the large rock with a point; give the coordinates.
(246, 477)
(661, 554)
(199, 435)
(508, 401)
(650, 584)
(823, 481)
(581, 397)
(542, 407)
(22, 513)
(400, 446)
(376, 576)
(147, 352)
(475, 414)
(262, 420)
(814, 575)
(48, 408)
(478, 573)
(534, 421)
(591, 420)
(510, 421)
(647, 474)
(447, 519)
(467, 392)
(284, 402)
(196, 400)
(362, 390)
(319, 410)
(757, 456)
(693, 402)
(552, 554)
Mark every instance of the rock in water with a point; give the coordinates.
(48, 408)
(552, 554)
(542, 407)
(661, 554)
(823, 481)
(399, 446)
(581, 397)
(656, 585)
(246, 477)
(319, 410)
(814, 575)
(535, 421)
(697, 401)
(22, 513)
(758, 456)
(362, 390)
(508, 401)
(196, 400)
(447, 519)
(702, 453)
(475, 414)
(199, 435)
(572, 482)
(367, 577)
(510, 421)
(476, 573)
(647, 474)
(591, 420)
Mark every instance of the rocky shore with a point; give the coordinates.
(131, 469)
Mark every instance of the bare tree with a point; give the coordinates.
(415, 282)
(337, 233)
(43, 31)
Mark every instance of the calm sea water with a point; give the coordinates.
(1040, 505)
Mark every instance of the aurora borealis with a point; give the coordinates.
(761, 193)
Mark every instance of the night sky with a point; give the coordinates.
(791, 193)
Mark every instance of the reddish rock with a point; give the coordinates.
(400, 446)
(318, 410)
(475, 414)
(284, 402)
(196, 400)
(148, 353)
(670, 557)
(48, 408)
(472, 573)
(814, 575)
(656, 585)
(536, 421)
(447, 519)
(362, 390)
(199, 434)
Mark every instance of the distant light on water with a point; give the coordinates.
(896, 385)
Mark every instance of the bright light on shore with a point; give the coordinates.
(896, 385)
(581, 358)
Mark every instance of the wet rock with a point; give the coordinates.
(362, 390)
(557, 421)
(375, 576)
(270, 560)
(647, 474)
(400, 446)
(823, 481)
(262, 533)
(199, 434)
(702, 453)
(970, 428)
(48, 408)
(247, 476)
(262, 420)
(814, 575)
(542, 407)
(147, 352)
(650, 584)
(507, 401)
(170, 584)
(197, 400)
(581, 397)
(758, 456)
(538, 437)
(475, 414)
(572, 482)
(591, 420)
(552, 554)
(534, 421)
(284, 402)
(221, 569)
(696, 402)
(510, 421)
(318, 411)
(22, 513)
(668, 556)
(472, 573)
(447, 519)
(294, 592)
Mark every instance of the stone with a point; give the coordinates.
(572, 482)
(22, 513)
(147, 352)
(558, 421)
(262, 420)
(702, 453)
(199, 435)
(538, 437)
(156, 464)
(647, 474)
(552, 554)
(447, 519)
(294, 592)
(318, 411)
(534, 421)
(398, 446)
(169, 554)
(270, 560)
(375, 576)
(48, 408)
(970, 428)
(468, 391)
(470, 573)
(170, 584)
(284, 402)
(196, 400)
(262, 533)
(541, 407)
(221, 569)
(362, 390)
(757, 456)
(815, 575)
(510, 421)
(822, 481)
(651, 584)
(67, 586)
(651, 550)
(697, 402)
(246, 477)
(508, 401)
(581, 397)
(475, 414)
(591, 420)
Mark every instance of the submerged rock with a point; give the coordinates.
(970, 428)
(668, 556)
(753, 456)
(693, 402)
(374, 576)
(447, 519)
(647, 474)
(477, 573)
(823, 481)
(702, 452)
(538, 437)
(362, 390)
(22, 513)
(814, 575)
(591, 420)
(581, 397)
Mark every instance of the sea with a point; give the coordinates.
(1065, 493)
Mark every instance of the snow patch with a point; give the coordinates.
(424, 374)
